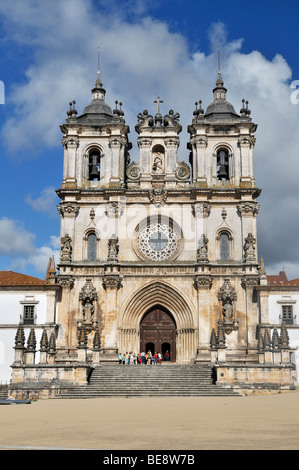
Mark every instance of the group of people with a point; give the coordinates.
(143, 358)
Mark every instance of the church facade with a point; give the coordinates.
(155, 253)
(159, 255)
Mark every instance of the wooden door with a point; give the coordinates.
(158, 332)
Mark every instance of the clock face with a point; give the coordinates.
(158, 241)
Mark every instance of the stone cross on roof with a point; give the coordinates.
(158, 101)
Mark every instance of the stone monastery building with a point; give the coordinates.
(158, 255)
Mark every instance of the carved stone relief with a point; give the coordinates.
(201, 209)
(68, 209)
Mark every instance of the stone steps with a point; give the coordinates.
(148, 380)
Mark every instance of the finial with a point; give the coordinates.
(31, 343)
(98, 82)
(198, 113)
(244, 110)
(118, 112)
(219, 82)
(262, 269)
(72, 111)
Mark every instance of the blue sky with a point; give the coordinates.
(48, 56)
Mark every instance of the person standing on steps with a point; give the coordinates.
(149, 357)
(160, 358)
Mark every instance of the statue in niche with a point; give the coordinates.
(113, 248)
(87, 310)
(87, 296)
(249, 248)
(227, 311)
(227, 295)
(158, 164)
(202, 251)
(66, 248)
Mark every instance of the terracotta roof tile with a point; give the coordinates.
(277, 279)
(10, 278)
(294, 282)
(281, 280)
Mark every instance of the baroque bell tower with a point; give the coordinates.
(96, 155)
(221, 157)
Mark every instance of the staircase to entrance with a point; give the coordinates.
(149, 381)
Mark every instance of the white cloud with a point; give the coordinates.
(14, 238)
(141, 60)
(46, 202)
(18, 245)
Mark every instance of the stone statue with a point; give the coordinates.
(87, 310)
(158, 164)
(66, 248)
(202, 251)
(113, 248)
(227, 295)
(145, 119)
(249, 248)
(87, 296)
(227, 311)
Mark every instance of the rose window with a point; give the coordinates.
(158, 241)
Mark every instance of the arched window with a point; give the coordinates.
(224, 246)
(94, 165)
(222, 165)
(92, 247)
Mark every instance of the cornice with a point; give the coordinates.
(209, 193)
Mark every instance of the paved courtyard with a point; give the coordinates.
(253, 422)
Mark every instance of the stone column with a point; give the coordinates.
(70, 144)
(116, 145)
(213, 346)
(96, 348)
(111, 283)
(249, 283)
(202, 283)
(82, 345)
(65, 311)
(221, 356)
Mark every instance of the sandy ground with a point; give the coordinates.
(241, 423)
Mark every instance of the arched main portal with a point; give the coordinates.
(158, 332)
(181, 310)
